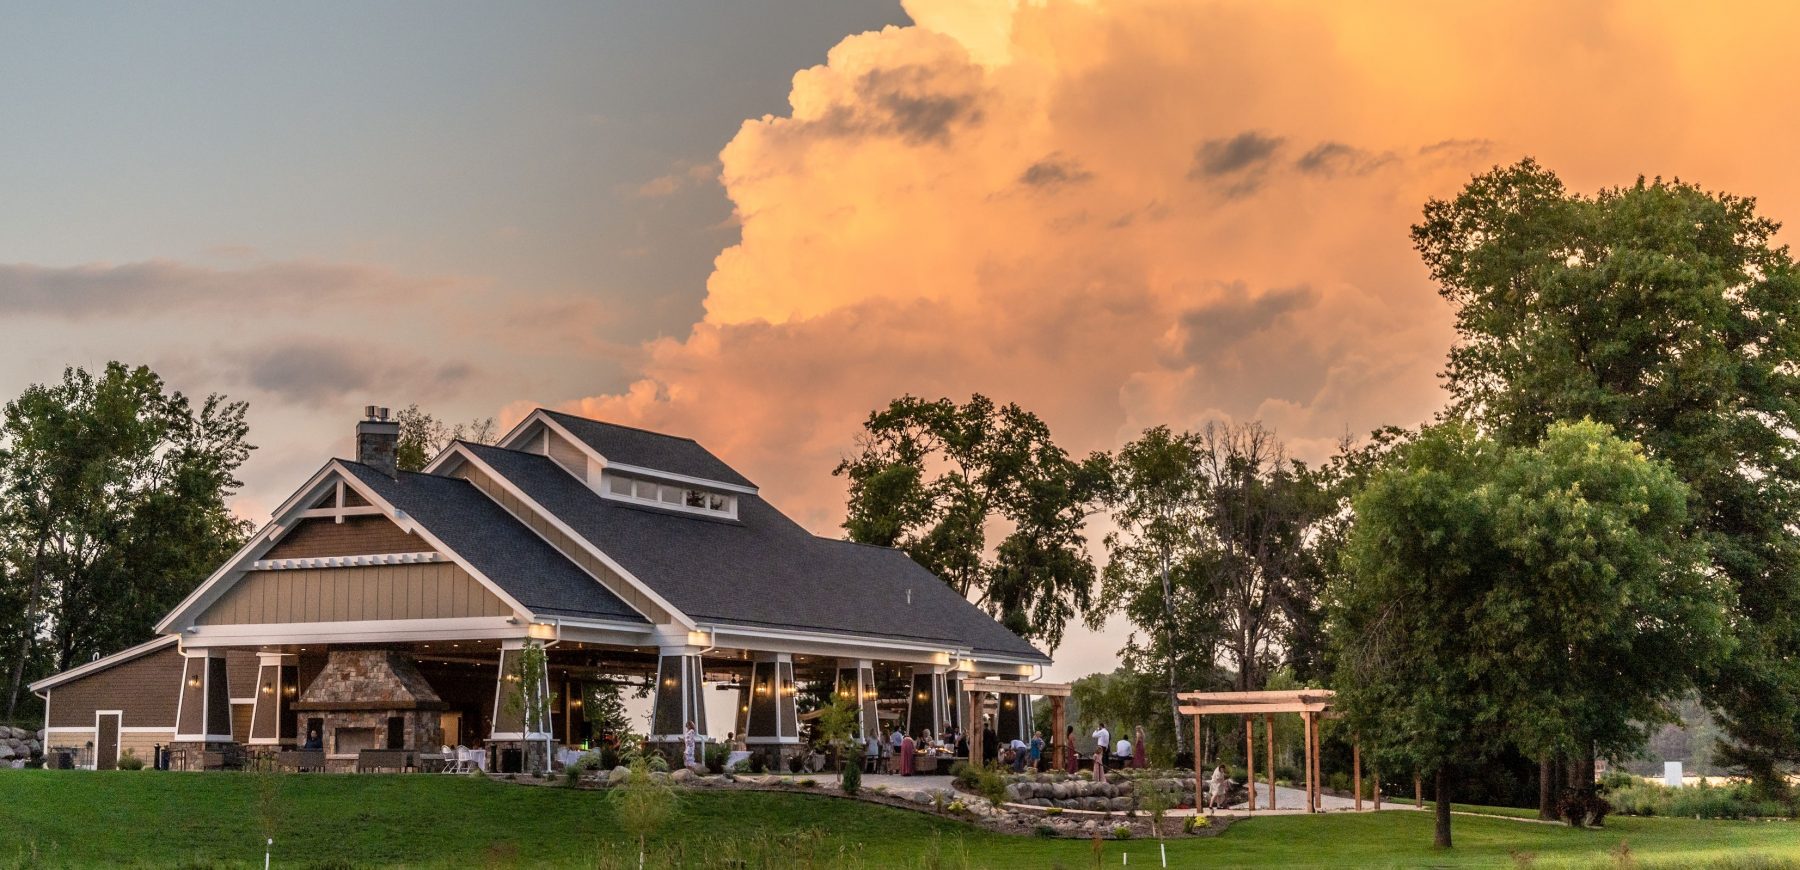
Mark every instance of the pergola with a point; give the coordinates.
(1311, 704)
(977, 691)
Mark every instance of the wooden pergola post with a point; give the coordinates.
(1356, 772)
(1199, 777)
(977, 689)
(972, 724)
(1250, 762)
(1059, 757)
(1269, 744)
(1306, 725)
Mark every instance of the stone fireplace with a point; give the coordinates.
(371, 699)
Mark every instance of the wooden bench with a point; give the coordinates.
(385, 759)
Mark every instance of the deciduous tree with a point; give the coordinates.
(1545, 597)
(933, 477)
(112, 507)
(1670, 313)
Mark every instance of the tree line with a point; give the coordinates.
(1602, 523)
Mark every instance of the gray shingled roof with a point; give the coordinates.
(648, 449)
(498, 545)
(762, 569)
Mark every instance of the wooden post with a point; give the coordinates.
(1269, 744)
(1199, 778)
(1356, 772)
(1318, 764)
(1306, 725)
(1250, 762)
(1059, 758)
(972, 723)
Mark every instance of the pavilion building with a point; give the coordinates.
(387, 609)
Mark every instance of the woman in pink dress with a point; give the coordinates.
(1071, 757)
(1137, 748)
(906, 756)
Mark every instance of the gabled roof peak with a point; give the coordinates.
(631, 449)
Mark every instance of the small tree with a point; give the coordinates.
(530, 697)
(643, 803)
(837, 727)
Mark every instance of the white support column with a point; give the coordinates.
(203, 707)
(925, 704)
(856, 679)
(678, 699)
(773, 722)
(271, 720)
(509, 722)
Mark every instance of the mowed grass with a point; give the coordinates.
(142, 819)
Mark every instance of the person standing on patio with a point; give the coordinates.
(1220, 783)
(1037, 751)
(1102, 743)
(907, 748)
(689, 737)
(1137, 748)
(1071, 758)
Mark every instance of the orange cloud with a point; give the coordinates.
(1128, 213)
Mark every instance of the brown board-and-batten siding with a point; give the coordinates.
(144, 691)
(355, 536)
(426, 590)
(564, 545)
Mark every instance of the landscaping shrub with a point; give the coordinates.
(990, 783)
(964, 774)
(759, 762)
(658, 764)
(1044, 830)
(609, 757)
(852, 779)
(1122, 832)
(1728, 801)
(130, 761)
(796, 763)
(716, 753)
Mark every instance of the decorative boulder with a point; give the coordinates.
(681, 776)
(619, 774)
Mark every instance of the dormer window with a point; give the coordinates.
(670, 495)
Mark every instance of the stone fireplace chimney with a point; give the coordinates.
(377, 438)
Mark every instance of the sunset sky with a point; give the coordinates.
(752, 222)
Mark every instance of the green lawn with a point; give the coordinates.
(70, 818)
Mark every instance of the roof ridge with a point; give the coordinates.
(557, 413)
(883, 547)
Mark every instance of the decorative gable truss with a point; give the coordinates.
(340, 564)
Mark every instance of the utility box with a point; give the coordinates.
(1672, 774)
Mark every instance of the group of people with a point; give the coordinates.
(1127, 752)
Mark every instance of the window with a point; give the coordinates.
(682, 497)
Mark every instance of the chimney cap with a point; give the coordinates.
(375, 412)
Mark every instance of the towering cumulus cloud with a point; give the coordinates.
(1122, 214)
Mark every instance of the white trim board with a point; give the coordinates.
(334, 474)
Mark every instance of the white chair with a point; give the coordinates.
(458, 761)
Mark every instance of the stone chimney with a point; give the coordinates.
(377, 438)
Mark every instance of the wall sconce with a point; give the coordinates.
(194, 682)
(268, 689)
(575, 703)
(668, 681)
(290, 690)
